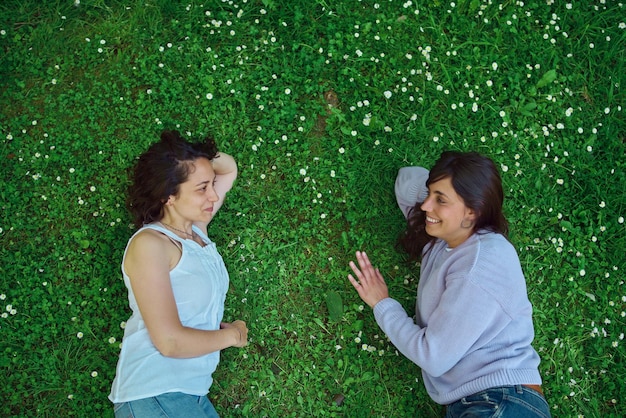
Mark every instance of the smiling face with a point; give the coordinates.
(196, 196)
(446, 214)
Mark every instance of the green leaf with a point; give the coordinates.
(546, 79)
(334, 305)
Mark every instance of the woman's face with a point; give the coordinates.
(196, 196)
(446, 213)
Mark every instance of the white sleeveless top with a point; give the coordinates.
(199, 282)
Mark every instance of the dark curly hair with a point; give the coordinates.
(159, 172)
(477, 181)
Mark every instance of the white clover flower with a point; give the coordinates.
(582, 272)
(602, 204)
(111, 340)
(489, 83)
(209, 96)
(302, 172)
(494, 66)
(287, 91)
(620, 220)
(79, 335)
(387, 94)
(559, 181)
(94, 374)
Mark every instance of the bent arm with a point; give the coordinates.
(410, 187)
(225, 168)
(466, 317)
(147, 263)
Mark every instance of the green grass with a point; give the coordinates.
(84, 89)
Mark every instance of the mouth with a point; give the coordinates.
(432, 220)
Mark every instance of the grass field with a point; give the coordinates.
(320, 102)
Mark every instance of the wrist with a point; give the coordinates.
(237, 335)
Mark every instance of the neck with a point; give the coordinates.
(183, 230)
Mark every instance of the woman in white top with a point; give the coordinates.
(176, 281)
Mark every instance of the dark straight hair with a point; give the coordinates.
(475, 178)
(159, 172)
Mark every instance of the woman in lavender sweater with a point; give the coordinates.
(473, 328)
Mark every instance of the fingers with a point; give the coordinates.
(367, 280)
(242, 331)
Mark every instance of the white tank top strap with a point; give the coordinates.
(176, 240)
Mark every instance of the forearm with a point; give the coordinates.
(190, 342)
(224, 164)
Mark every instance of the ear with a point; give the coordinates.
(471, 214)
(169, 201)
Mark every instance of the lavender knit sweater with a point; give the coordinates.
(473, 325)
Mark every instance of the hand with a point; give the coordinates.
(242, 332)
(370, 284)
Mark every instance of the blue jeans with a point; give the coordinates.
(167, 405)
(507, 402)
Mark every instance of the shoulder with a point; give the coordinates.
(492, 244)
(490, 258)
(147, 238)
(150, 246)
(485, 252)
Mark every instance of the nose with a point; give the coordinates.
(212, 194)
(426, 205)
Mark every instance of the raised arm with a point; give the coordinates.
(225, 168)
(225, 172)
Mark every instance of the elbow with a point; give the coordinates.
(167, 347)
(435, 370)
(432, 366)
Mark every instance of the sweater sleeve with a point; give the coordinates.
(410, 187)
(465, 317)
